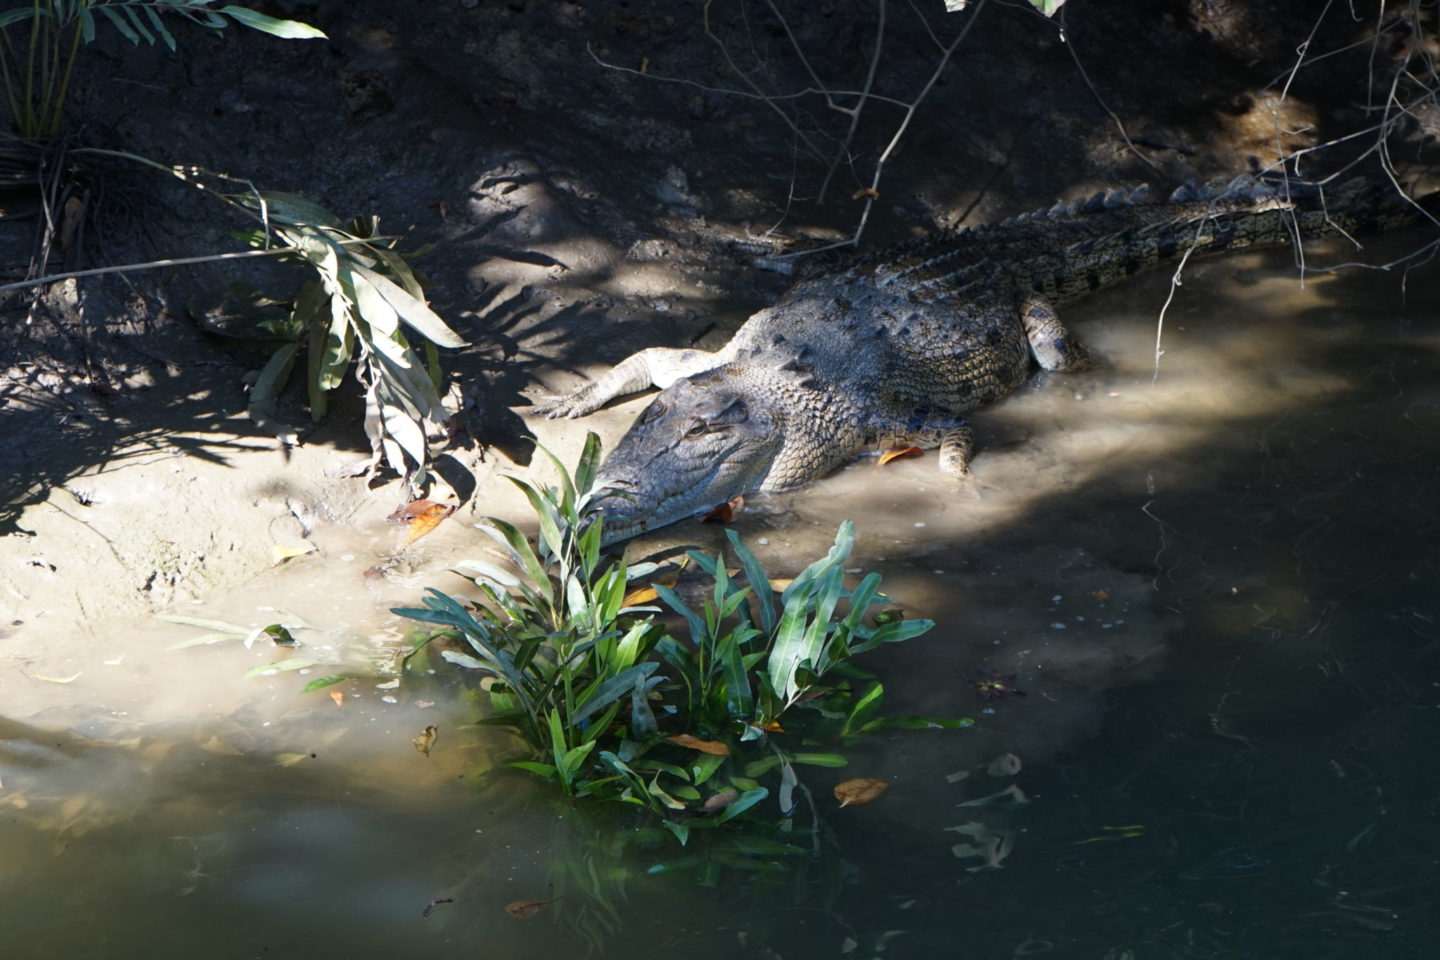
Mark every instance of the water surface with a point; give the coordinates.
(1216, 590)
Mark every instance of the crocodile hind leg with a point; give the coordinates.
(927, 429)
(655, 367)
(1055, 348)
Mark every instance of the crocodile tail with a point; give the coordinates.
(1244, 213)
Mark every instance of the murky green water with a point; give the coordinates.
(1218, 593)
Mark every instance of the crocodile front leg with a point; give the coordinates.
(1055, 348)
(895, 429)
(655, 367)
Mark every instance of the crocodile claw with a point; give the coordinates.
(564, 408)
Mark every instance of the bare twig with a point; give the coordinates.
(852, 112)
(171, 262)
(874, 189)
(1114, 117)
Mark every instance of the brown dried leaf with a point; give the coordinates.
(426, 740)
(427, 520)
(713, 747)
(638, 596)
(1100, 595)
(726, 512)
(525, 909)
(778, 584)
(338, 696)
(865, 192)
(722, 799)
(852, 793)
(898, 453)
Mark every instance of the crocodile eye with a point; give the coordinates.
(697, 429)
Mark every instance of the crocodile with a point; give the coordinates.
(894, 348)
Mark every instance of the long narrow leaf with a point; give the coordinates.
(672, 599)
(759, 583)
(612, 690)
(284, 29)
(411, 310)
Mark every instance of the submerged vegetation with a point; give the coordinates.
(701, 727)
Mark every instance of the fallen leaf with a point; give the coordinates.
(426, 520)
(722, 799)
(1011, 796)
(525, 909)
(637, 597)
(338, 696)
(280, 636)
(779, 584)
(726, 512)
(411, 510)
(898, 453)
(1100, 595)
(865, 192)
(1005, 765)
(70, 679)
(280, 552)
(713, 747)
(430, 907)
(290, 759)
(853, 793)
(426, 740)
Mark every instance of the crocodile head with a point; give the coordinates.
(702, 441)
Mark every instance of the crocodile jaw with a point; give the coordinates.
(686, 454)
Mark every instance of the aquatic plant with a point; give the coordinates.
(611, 704)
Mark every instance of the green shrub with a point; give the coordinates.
(611, 704)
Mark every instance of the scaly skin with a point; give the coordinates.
(898, 346)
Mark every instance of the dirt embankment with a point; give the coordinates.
(594, 178)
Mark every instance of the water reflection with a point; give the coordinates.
(1216, 593)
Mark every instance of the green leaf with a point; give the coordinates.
(921, 723)
(759, 583)
(119, 22)
(159, 28)
(672, 599)
(543, 769)
(207, 624)
(465, 660)
(266, 392)
(280, 666)
(545, 514)
(411, 310)
(284, 29)
(613, 689)
(484, 569)
(520, 551)
(864, 709)
(747, 800)
(589, 463)
(289, 208)
(705, 767)
(27, 12)
(893, 633)
(819, 759)
(682, 833)
(574, 757)
(323, 682)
